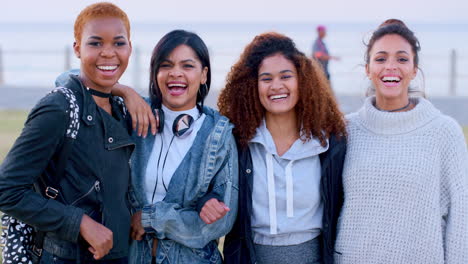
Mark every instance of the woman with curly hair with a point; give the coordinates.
(291, 143)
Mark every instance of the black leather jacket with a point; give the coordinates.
(238, 245)
(97, 173)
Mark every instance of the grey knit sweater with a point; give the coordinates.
(406, 188)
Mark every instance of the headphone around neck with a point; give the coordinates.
(181, 128)
(182, 123)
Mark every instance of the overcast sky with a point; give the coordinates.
(170, 11)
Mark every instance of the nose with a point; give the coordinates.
(175, 72)
(276, 83)
(108, 51)
(391, 64)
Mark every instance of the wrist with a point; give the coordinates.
(120, 90)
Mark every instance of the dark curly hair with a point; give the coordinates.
(317, 111)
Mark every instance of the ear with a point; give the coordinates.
(76, 49)
(367, 71)
(131, 48)
(204, 75)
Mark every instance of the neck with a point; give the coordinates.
(87, 83)
(393, 104)
(100, 101)
(103, 103)
(283, 129)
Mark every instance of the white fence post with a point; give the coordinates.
(67, 64)
(136, 69)
(453, 73)
(2, 80)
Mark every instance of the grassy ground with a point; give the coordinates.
(11, 123)
(465, 130)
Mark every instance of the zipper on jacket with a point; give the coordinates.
(121, 146)
(96, 186)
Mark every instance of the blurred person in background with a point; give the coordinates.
(320, 51)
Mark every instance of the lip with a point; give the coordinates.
(390, 84)
(278, 97)
(108, 69)
(176, 88)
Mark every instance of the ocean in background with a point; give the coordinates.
(34, 54)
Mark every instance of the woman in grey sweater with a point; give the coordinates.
(406, 171)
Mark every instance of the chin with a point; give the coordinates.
(279, 111)
(390, 93)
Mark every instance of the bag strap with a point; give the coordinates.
(52, 189)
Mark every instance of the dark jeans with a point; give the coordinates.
(48, 258)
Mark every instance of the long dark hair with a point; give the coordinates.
(162, 50)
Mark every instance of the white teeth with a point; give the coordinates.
(107, 68)
(176, 85)
(390, 79)
(278, 96)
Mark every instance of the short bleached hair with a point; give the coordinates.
(99, 10)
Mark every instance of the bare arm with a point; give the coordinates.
(141, 113)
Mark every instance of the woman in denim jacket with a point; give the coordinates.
(190, 163)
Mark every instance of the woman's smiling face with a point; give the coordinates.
(278, 85)
(391, 67)
(104, 50)
(179, 77)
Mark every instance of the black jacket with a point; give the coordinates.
(97, 173)
(238, 245)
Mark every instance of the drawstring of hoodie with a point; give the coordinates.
(272, 193)
(289, 190)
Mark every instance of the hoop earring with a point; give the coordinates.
(205, 89)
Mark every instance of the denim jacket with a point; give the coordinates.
(210, 169)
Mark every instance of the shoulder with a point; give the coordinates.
(352, 117)
(337, 145)
(447, 129)
(53, 101)
(49, 115)
(448, 123)
(337, 141)
(220, 126)
(219, 121)
(352, 120)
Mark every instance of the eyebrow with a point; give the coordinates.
(184, 61)
(99, 38)
(189, 60)
(398, 52)
(267, 73)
